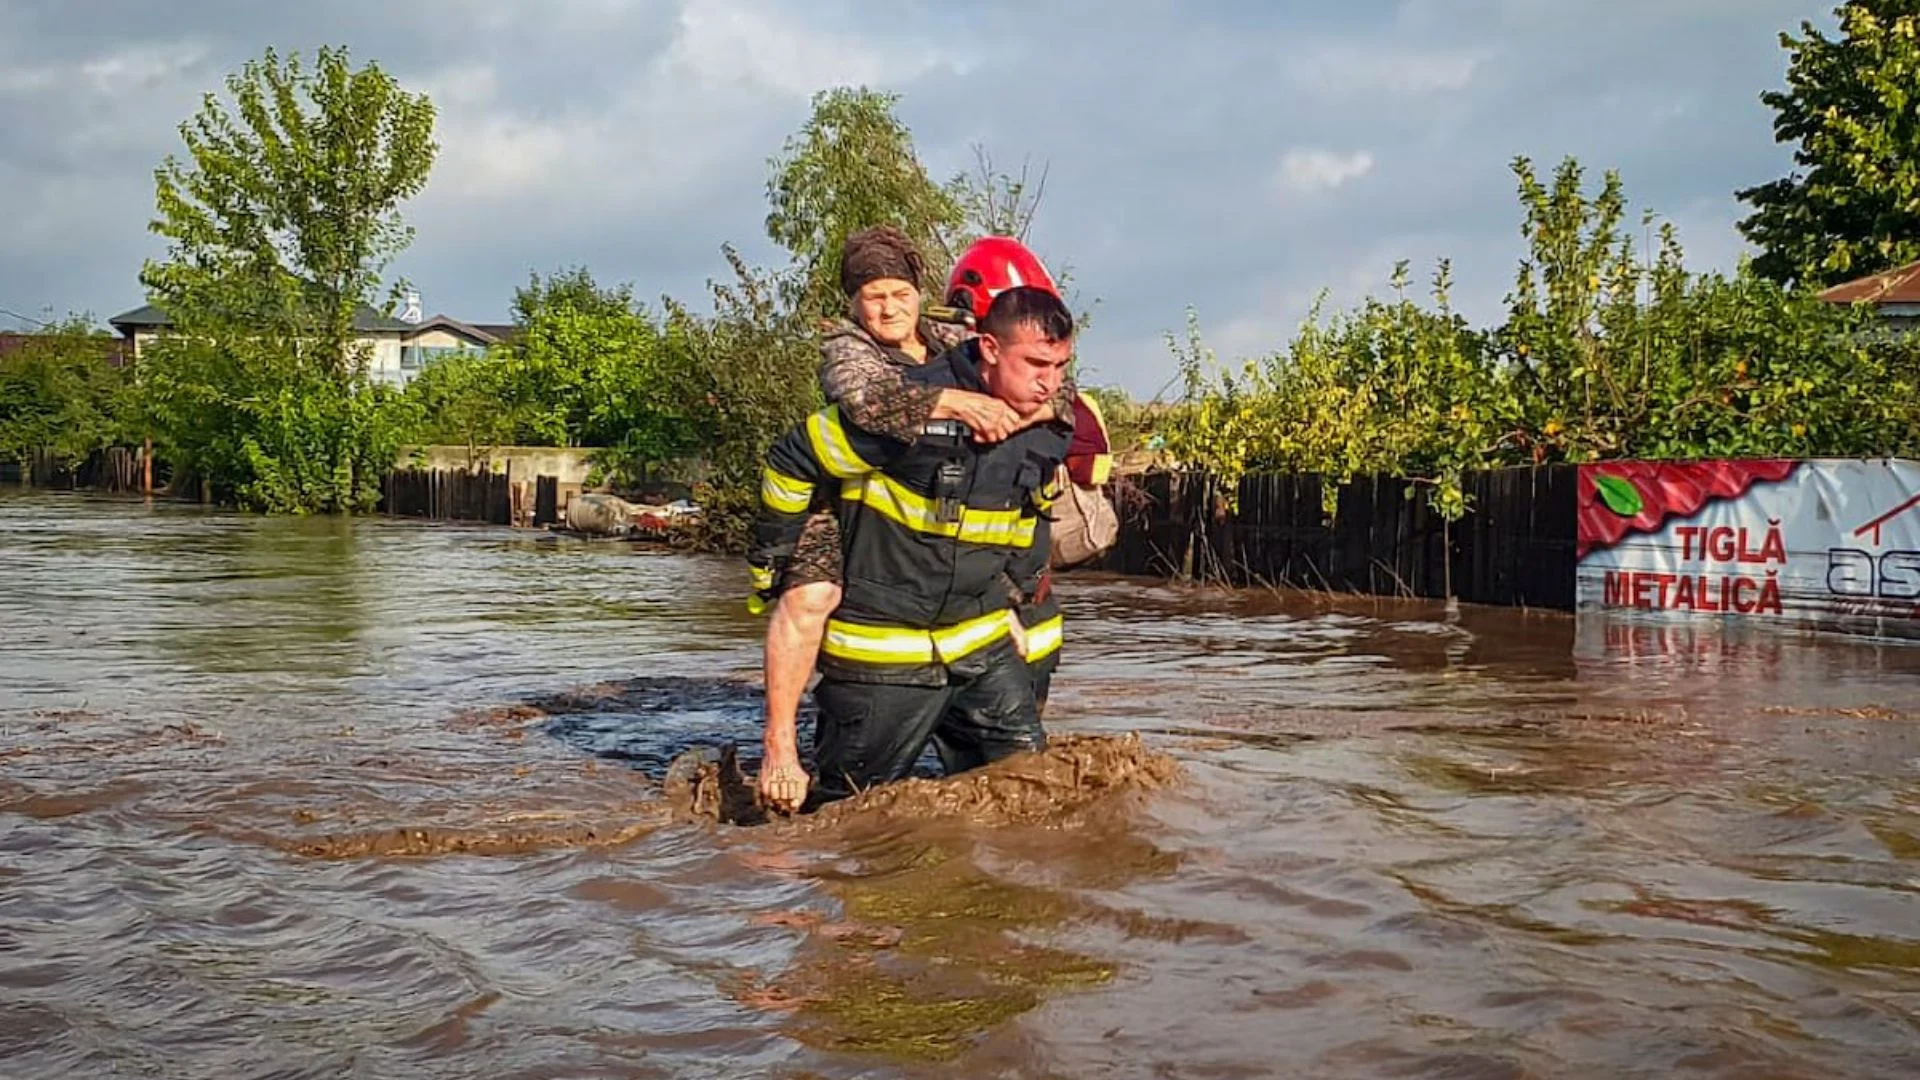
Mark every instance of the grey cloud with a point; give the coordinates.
(633, 136)
(1671, 99)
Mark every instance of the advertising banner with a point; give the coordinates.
(1831, 544)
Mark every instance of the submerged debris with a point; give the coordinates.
(688, 734)
(659, 731)
(1073, 772)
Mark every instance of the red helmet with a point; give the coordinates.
(990, 267)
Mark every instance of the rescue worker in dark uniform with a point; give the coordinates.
(942, 539)
(864, 361)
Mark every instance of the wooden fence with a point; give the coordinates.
(116, 469)
(1515, 546)
(462, 495)
(445, 494)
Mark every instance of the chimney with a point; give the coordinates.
(410, 312)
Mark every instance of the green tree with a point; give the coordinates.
(588, 367)
(751, 378)
(593, 368)
(1606, 352)
(573, 289)
(59, 394)
(1852, 110)
(1619, 353)
(280, 224)
(850, 167)
(464, 400)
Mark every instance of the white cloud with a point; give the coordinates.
(115, 73)
(739, 42)
(22, 79)
(1306, 171)
(1353, 68)
(142, 66)
(699, 105)
(467, 84)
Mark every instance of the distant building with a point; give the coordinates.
(399, 348)
(1895, 294)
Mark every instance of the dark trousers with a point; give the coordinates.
(872, 733)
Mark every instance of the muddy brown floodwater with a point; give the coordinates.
(381, 799)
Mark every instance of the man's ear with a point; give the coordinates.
(989, 349)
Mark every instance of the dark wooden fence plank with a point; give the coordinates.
(1515, 545)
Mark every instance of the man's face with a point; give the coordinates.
(1024, 370)
(889, 309)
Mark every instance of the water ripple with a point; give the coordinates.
(305, 798)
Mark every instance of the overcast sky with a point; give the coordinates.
(1238, 157)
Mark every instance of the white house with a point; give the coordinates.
(400, 347)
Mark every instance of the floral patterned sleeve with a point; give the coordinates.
(858, 377)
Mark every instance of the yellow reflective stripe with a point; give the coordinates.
(1043, 639)
(902, 645)
(971, 636)
(902, 505)
(896, 502)
(1102, 463)
(787, 494)
(1012, 530)
(876, 644)
(829, 441)
(762, 577)
(1102, 468)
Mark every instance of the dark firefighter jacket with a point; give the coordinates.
(939, 536)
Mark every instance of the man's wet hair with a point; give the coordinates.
(1031, 306)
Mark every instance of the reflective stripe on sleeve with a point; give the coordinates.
(786, 494)
(1043, 639)
(828, 437)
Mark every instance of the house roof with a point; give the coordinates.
(500, 331)
(139, 318)
(485, 334)
(1901, 285)
(148, 316)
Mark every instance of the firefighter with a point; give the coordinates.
(864, 360)
(942, 539)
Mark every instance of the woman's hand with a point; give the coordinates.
(990, 419)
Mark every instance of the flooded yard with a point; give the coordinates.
(375, 798)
